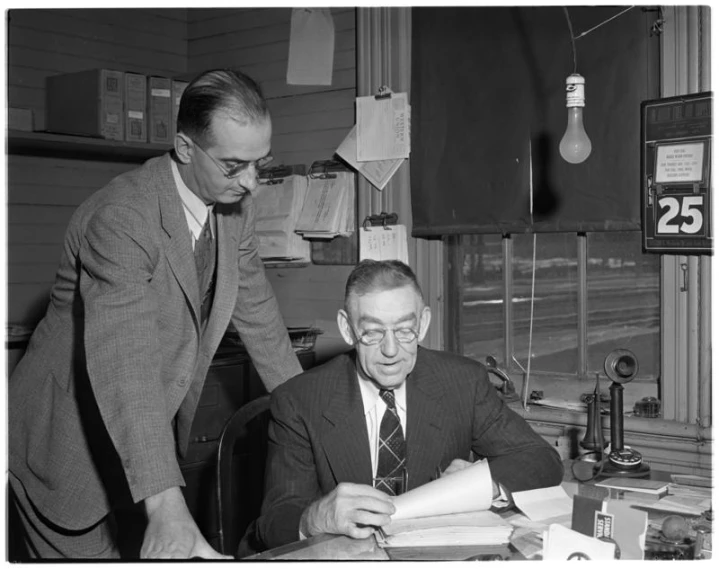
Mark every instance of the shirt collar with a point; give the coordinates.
(370, 395)
(193, 205)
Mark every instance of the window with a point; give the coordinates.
(593, 293)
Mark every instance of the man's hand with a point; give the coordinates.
(350, 509)
(171, 532)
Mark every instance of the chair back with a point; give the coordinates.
(241, 458)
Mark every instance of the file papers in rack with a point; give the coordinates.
(329, 208)
(383, 127)
(278, 208)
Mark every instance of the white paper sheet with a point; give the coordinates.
(377, 172)
(312, 47)
(543, 503)
(384, 243)
(383, 128)
(562, 544)
(462, 491)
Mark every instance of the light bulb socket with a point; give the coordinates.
(575, 90)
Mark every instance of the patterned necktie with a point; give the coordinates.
(205, 253)
(392, 454)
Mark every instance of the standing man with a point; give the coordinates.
(387, 410)
(155, 266)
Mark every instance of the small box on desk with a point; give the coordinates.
(135, 107)
(88, 103)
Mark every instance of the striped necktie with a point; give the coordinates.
(392, 452)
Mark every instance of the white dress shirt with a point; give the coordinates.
(196, 211)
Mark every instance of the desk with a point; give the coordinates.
(342, 548)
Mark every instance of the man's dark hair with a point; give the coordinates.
(219, 91)
(376, 276)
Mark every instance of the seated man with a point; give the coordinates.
(387, 408)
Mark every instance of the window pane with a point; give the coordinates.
(554, 329)
(623, 301)
(483, 303)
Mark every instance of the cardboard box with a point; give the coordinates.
(88, 103)
(178, 87)
(159, 109)
(135, 107)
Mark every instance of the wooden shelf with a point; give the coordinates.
(80, 147)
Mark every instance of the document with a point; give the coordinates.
(561, 543)
(382, 243)
(377, 172)
(329, 208)
(278, 207)
(383, 128)
(466, 490)
(468, 528)
(312, 47)
(543, 503)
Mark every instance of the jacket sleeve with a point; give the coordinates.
(257, 315)
(519, 458)
(291, 482)
(122, 348)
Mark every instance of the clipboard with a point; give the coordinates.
(342, 250)
(275, 175)
(383, 238)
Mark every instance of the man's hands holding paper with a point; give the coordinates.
(350, 509)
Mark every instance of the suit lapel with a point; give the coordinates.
(178, 243)
(226, 281)
(344, 430)
(425, 425)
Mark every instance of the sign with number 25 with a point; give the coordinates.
(676, 174)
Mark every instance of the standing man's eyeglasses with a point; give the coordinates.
(239, 167)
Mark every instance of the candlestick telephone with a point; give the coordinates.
(621, 367)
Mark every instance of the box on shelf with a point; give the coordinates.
(159, 109)
(178, 87)
(135, 107)
(87, 103)
(19, 119)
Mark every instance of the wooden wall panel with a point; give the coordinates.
(43, 193)
(309, 123)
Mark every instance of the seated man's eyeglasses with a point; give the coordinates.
(376, 336)
(240, 166)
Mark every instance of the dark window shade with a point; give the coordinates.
(487, 82)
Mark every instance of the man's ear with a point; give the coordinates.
(184, 148)
(343, 323)
(424, 320)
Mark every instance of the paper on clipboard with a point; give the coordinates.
(384, 243)
(377, 172)
(383, 127)
(312, 47)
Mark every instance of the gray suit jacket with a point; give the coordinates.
(318, 436)
(105, 395)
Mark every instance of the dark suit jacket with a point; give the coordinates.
(105, 395)
(318, 436)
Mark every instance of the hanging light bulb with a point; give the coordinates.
(575, 146)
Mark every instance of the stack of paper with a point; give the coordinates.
(468, 528)
(329, 208)
(278, 208)
(377, 172)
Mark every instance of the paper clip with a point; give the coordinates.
(384, 219)
(277, 174)
(322, 169)
(384, 93)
